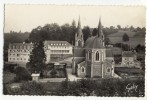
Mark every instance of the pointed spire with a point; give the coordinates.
(79, 23)
(99, 32)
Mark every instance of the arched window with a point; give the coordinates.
(79, 43)
(97, 56)
(82, 69)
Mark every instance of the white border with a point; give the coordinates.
(61, 2)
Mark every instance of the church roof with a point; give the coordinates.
(93, 42)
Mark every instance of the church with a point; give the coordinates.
(93, 58)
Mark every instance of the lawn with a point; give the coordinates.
(8, 77)
(129, 71)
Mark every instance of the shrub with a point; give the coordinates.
(22, 74)
(33, 88)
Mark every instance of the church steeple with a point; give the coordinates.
(79, 41)
(79, 23)
(99, 32)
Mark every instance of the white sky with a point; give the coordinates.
(27, 17)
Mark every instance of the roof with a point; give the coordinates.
(57, 43)
(82, 63)
(19, 44)
(109, 53)
(79, 60)
(93, 42)
(127, 54)
(79, 52)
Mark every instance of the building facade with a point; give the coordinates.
(98, 58)
(129, 59)
(20, 52)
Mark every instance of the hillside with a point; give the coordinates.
(135, 37)
(120, 33)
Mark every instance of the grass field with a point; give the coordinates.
(8, 77)
(135, 38)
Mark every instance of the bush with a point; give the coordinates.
(22, 74)
(33, 88)
(53, 73)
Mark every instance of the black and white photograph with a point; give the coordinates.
(74, 50)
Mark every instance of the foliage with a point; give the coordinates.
(125, 47)
(53, 73)
(53, 31)
(103, 87)
(22, 74)
(107, 41)
(94, 32)
(14, 37)
(86, 32)
(125, 37)
(140, 48)
(10, 67)
(32, 88)
(37, 58)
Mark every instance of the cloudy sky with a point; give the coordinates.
(27, 17)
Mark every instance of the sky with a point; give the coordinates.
(27, 17)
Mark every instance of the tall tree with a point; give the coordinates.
(86, 32)
(37, 57)
(125, 37)
(94, 32)
(74, 29)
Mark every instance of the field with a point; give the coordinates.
(8, 77)
(135, 38)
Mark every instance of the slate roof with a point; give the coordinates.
(79, 60)
(93, 42)
(82, 64)
(78, 52)
(19, 44)
(127, 54)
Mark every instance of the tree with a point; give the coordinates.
(125, 37)
(107, 41)
(94, 32)
(119, 27)
(21, 74)
(86, 32)
(37, 57)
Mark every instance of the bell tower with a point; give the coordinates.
(79, 41)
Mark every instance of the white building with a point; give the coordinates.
(20, 52)
(129, 59)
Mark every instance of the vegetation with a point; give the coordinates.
(125, 37)
(22, 74)
(84, 87)
(37, 58)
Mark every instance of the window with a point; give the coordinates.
(89, 55)
(97, 56)
(82, 69)
(108, 69)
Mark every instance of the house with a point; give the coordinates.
(97, 60)
(129, 59)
